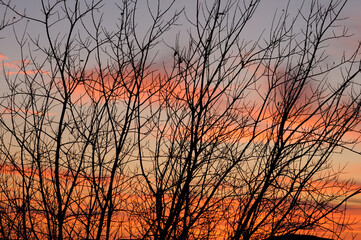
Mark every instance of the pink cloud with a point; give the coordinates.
(3, 57)
(24, 111)
(17, 67)
(10, 65)
(28, 72)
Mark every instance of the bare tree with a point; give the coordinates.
(231, 138)
(67, 120)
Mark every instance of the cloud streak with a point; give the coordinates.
(3, 57)
(18, 67)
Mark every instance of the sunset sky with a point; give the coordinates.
(10, 56)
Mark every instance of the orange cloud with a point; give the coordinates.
(354, 214)
(17, 67)
(10, 65)
(220, 214)
(89, 86)
(27, 72)
(3, 57)
(24, 111)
